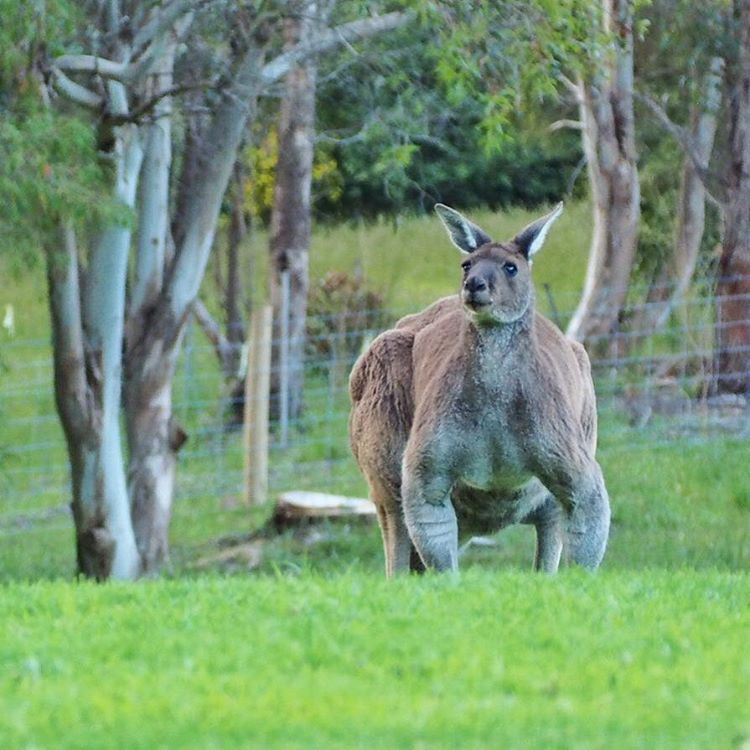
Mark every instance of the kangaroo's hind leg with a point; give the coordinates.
(396, 543)
(549, 523)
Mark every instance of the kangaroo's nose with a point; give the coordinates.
(476, 284)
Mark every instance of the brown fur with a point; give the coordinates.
(479, 412)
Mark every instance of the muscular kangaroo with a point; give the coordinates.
(477, 413)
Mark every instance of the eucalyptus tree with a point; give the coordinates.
(107, 346)
(719, 61)
(514, 55)
(291, 217)
(733, 287)
(605, 102)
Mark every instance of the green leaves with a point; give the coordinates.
(49, 164)
(512, 55)
(49, 171)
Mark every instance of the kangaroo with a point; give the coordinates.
(477, 413)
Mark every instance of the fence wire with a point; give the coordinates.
(654, 387)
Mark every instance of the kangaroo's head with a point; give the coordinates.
(496, 285)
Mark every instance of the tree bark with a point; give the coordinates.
(87, 326)
(673, 279)
(154, 439)
(732, 348)
(608, 132)
(234, 297)
(151, 347)
(291, 215)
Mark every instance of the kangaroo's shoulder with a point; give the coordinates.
(555, 343)
(417, 321)
(386, 360)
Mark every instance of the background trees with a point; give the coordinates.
(124, 131)
(109, 347)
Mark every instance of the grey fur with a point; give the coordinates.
(477, 413)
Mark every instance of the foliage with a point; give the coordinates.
(49, 170)
(49, 165)
(671, 61)
(262, 159)
(511, 55)
(497, 660)
(407, 129)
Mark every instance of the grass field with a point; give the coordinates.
(304, 645)
(617, 660)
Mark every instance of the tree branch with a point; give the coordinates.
(74, 91)
(163, 20)
(210, 327)
(67, 329)
(149, 104)
(572, 87)
(92, 64)
(348, 32)
(561, 124)
(145, 49)
(683, 137)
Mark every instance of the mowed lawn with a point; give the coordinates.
(312, 648)
(651, 659)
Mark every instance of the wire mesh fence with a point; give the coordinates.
(654, 387)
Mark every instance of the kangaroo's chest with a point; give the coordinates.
(497, 445)
(494, 484)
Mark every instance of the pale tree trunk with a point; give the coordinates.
(154, 437)
(87, 313)
(608, 132)
(164, 289)
(732, 371)
(154, 344)
(156, 329)
(291, 215)
(674, 278)
(87, 326)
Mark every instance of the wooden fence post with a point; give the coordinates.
(257, 386)
(283, 361)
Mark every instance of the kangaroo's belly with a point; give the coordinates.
(488, 509)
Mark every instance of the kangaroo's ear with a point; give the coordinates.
(467, 237)
(532, 237)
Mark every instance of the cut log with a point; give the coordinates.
(296, 507)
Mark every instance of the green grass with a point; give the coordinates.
(313, 649)
(412, 263)
(674, 507)
(617, 660)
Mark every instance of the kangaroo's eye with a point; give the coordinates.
(510, 268)
(466, 265)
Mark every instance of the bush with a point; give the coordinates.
(342, 314)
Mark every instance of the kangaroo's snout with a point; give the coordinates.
(475, 284)
(476, 291)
